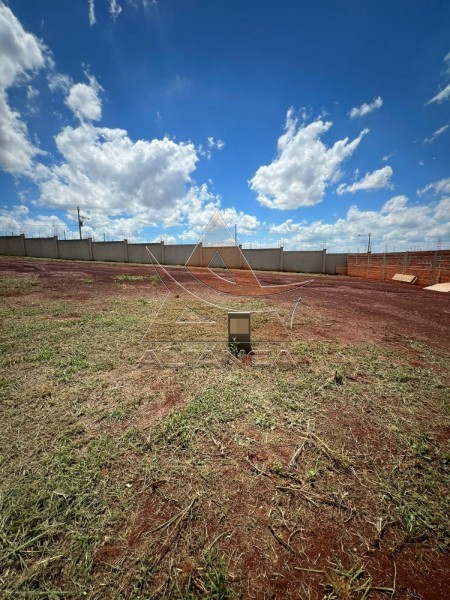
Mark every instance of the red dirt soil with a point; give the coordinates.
(350, 309)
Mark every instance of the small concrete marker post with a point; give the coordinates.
(239, 331)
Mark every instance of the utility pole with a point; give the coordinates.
(81, 220)
(369, 249)
(235, 234)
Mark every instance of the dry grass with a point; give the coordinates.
(128, 481)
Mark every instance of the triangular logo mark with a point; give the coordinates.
(188, 315)
(284, 359)
(150, 358)
(217, 232)
(218, 235)
(221, 269)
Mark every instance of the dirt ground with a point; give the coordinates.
(351, 309)
(278, 520)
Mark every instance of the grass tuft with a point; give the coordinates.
(129, 277)
(13, 286)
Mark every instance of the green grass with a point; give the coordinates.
(152, 279)
(55, 511)
(418, 491)
(210, 582)
(119, 481)
(129, 277)
(12, 286)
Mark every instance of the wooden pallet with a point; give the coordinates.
(404, 278)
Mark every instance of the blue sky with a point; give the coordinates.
(308, 124)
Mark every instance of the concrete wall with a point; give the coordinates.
(334, 260)
(13, 245)
(42, 247)
(110, 251)
(303, 262)
(177, 254)
(429, 267)
(230, 256)
(75, 249)
(137, 253)
(269, 259)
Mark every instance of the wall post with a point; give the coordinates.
(125, 248)
(55, 240)
(324, 260)
(25, 244)
(405, 262)
(24, 247)
(91, 255)
(281, 257)
(163, 258)
(434, 268)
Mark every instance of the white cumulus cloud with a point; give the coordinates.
(122, 185)
(288, 227)
(104, 169)
(16, 219)
(22, 54)
(397, 225)
(84, 100)
(59, 81)
(377, 180)
(304, 166)
(365, 108)
(199, 207)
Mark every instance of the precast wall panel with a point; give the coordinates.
(109, 251)
(42, 247)
(74, 249)
(298, 261)
(137, 253)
